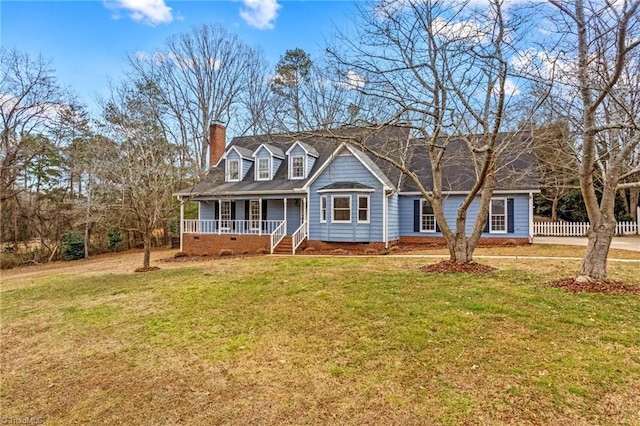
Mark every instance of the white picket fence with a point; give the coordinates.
(578, 229)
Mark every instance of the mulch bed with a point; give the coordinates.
(604, 287)
(447, 266)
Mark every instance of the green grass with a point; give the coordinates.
(321, 340)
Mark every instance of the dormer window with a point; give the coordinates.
(233, 170)
(264, 169)
(297, 167)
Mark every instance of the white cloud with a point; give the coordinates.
(260, 14)
(151, 12)
(354, 80)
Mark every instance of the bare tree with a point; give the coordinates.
(599, 98)
(200, 77)
(442, 69)
(29, 100)
(143, 164)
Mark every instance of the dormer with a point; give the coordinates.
(301, 158)
(237, 162)
(267, 159)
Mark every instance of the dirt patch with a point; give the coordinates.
(447, 266)
(149, 269)
(605, 287)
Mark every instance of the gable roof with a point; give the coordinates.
(516, 164)
(273, 150)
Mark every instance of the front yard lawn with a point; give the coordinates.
(266, 340)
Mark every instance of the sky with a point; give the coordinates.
(88, 41)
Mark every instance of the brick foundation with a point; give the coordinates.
(483, 242)
(350, 247)
(212, 244)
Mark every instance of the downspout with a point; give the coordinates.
(385, 219)
(531, 218)
(181, 220)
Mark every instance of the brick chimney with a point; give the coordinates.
(217, 142)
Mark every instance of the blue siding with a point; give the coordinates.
(451, 204)
(246, 165)
(310, 162)
(275, 209)
(394, 217)
(346, 168)
(207, 210)
(275, 165)
(293, 215)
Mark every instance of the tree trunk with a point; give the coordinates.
(147, 251)
(460, 250)
(594, 263)
(634, 195)
(554, 209)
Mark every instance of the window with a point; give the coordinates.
(254, 214)
(297, 167)
(233, 170)
(323, 209)
(225, 214)
(363, 209)
(498, 215)
(264, 166)
(341, 209)
(427, 218)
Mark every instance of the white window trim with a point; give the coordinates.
(228, 169)
(435, 221)
(227, 221)
(323, 209)
(368, 209)
(258, 160)
(251, 220)
(333, 210)
(304, 167)
(506, 217)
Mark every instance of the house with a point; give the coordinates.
(278, 192)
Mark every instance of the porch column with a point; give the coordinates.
(261, 224)
(285, 215)
(181, 221)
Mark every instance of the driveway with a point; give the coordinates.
(631, 242)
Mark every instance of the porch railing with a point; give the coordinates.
(298, 237)
(247, 227)
(278, 234)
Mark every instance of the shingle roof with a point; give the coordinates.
(345, 185)
(516, 164)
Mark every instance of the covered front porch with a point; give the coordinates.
(246, 222)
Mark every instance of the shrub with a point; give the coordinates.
(245, 251)
(180, 254)
(262, 250)
(309, 249)
(115, 238)
(225, 252)
(72, 246)
(9, 260)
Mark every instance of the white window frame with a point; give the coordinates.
(333, 208)
(238, 163)
(367, 210)
(225, 218)
(304, 166)
(254, 223)
(423, 216)
(492, 214)
(323, 209)
(268, 168)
